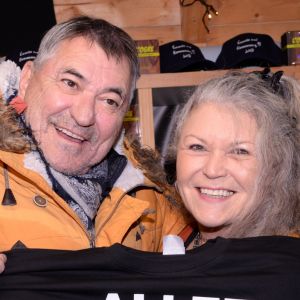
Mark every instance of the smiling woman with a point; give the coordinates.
(217, 164)
(237, 147)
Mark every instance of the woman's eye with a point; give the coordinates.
(240, 151)
(196, 147)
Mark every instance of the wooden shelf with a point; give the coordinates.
(149, 81)
(193, 78)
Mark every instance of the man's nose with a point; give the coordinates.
(215, 165)
(83, 110)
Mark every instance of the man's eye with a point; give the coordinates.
(70, 83)
(112, 102)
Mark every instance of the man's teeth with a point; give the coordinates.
(216, 193)
(71, 134)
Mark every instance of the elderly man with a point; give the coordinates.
(67, 182)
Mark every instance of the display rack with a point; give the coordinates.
(149, 81)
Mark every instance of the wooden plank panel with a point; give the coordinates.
(147, 81)
(175, 79)
(272, 17)
(163, 34)
(219, 34)
(124, 13)
(146, 117)
(191, 23)
(166, 21)
(255, 11)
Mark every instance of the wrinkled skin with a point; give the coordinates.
(217, 166)
(76, 103)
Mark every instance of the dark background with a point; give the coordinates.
(22, 25)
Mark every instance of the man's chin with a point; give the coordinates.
(70, 169)
(64, 161)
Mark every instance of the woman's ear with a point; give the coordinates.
(25, 78)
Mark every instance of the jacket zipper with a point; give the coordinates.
(92, 233)
(119, 201)
(92, 237)
(115, 207)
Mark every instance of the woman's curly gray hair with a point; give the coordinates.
(277, 114)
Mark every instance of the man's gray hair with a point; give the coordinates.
(114, 41)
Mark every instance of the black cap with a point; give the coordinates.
(249, 49)
(181, 56)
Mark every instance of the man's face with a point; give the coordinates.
(76, 103)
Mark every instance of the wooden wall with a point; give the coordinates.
(165, 20)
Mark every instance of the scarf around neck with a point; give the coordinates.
(83, 193)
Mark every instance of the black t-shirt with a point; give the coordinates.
(265, 268)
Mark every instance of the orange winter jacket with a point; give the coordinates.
(41, 219)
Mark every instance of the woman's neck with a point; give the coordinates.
(208, 233)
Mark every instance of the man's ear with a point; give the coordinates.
(26, 73)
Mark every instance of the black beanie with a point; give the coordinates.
(249, 49)
(181, 56)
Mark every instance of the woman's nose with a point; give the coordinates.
(215, 165)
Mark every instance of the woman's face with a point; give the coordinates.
(217, 165)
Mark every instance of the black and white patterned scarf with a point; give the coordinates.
(83, 193)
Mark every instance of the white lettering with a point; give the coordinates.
(112, 296)
(182, 51)
(243, 41)
(27, 58)
(249, 51)
(247, 41)
(115, 296)
(28, 52)
(180, 46)
(247, 46)
(205, 298)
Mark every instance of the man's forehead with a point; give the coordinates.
(90, 64)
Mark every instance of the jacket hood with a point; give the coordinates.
(150, 163)
(9, 80)
(13, 137)
(144, 165)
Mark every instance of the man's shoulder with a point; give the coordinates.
(11, 158)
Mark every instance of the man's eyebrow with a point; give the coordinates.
(74, 73)
(116, 90)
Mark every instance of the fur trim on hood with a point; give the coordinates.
(12, 135)
(150, 162)
(9, 80)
